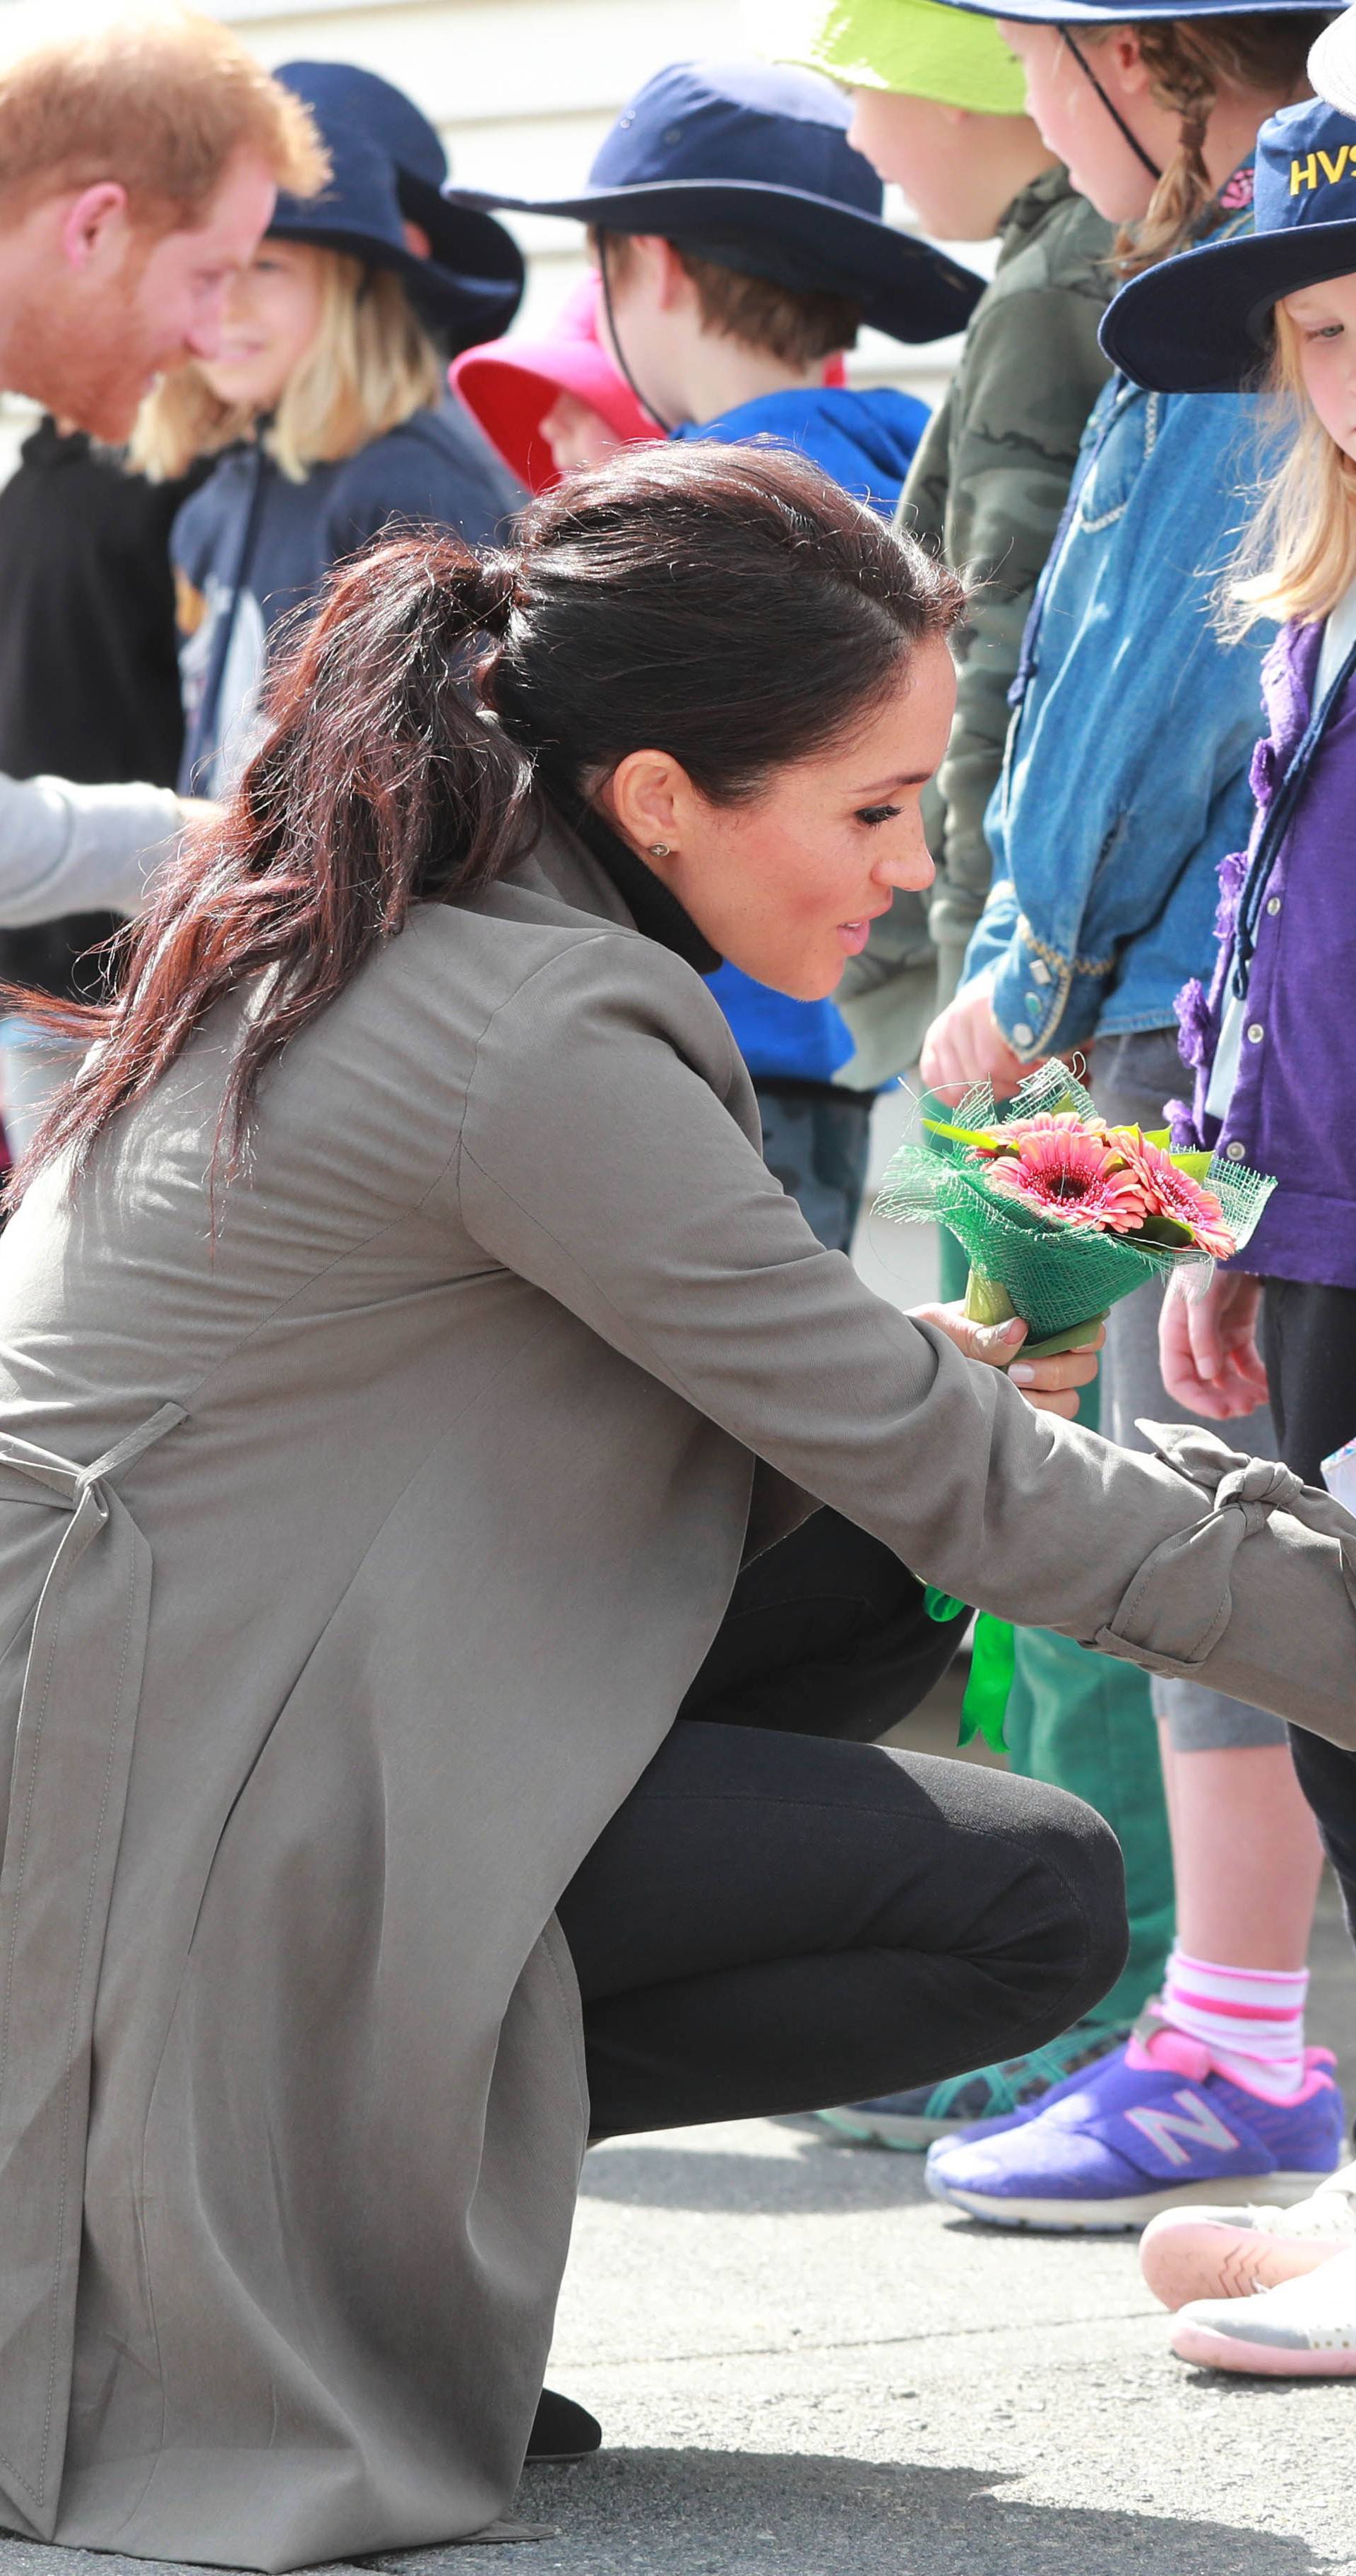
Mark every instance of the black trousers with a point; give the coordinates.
(1309, 1345)
(784, 1915)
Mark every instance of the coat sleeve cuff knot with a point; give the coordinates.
(1180, 1603)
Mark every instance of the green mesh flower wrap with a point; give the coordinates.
(1059, 1279)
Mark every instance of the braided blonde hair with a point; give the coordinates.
(1190, 61)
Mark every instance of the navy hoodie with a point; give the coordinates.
(251, 545)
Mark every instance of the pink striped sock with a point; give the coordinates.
(1250, 2019)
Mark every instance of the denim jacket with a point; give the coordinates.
(1125, 778)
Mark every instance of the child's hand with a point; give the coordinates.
(1050, 1384)
(1207, 1347)
(965, 1044)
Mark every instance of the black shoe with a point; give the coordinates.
(563, 2431)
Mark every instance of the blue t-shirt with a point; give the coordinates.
(866, 442)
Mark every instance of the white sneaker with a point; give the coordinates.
(1306, 2329)
(1221, 2253)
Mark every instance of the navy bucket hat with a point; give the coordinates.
(471, 284)
(751, 166)
(1201, 323)
(415, 148)
(1093, 13)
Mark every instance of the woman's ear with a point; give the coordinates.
(648, 799)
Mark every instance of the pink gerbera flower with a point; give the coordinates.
(1066, 1168)
(1042, 1122)
(1172, 1193)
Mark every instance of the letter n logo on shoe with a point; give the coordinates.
(1174, 2133)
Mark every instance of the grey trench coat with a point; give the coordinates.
(352, 1567)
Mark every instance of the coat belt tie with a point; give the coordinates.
(68, 1792)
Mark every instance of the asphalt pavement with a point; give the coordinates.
(804, 2366)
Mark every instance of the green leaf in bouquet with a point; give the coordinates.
(1076, 1338)
(1167, 1231)
(975, 1136)
(1197, 1166)
(987, 1300)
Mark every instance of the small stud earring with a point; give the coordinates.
(660, 850)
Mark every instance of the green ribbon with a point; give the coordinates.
(993, 1663)
(942, 1606)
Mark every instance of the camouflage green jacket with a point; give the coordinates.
(986, 488)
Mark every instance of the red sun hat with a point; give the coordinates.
(509, 386)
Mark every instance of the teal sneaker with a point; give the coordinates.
(912, 2121)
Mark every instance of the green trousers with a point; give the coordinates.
(1083, 1722)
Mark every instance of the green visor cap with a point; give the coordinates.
(920, 47)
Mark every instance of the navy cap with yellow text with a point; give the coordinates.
(1202, 323)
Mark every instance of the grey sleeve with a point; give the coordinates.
(79, 849)
(599, 1162)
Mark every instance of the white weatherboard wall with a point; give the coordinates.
(524, 91)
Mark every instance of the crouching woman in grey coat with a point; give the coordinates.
(460, 1532)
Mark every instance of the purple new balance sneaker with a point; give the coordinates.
(1143, 2130)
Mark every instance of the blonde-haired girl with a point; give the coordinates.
(325, 403)
(1273, 1042)
(1125, 781)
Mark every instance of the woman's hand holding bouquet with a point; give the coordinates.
(1062, 1213)
(1050, 1384)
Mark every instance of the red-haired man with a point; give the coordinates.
(138, 170)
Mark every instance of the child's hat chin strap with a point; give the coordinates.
(667, 426)
(1112, 110)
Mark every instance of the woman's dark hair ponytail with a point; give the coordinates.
(488, 588)
(730, 606)
(380, 779)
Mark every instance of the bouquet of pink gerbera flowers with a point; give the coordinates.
(1060, 1212)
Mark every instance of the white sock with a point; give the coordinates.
(1250, 2019)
